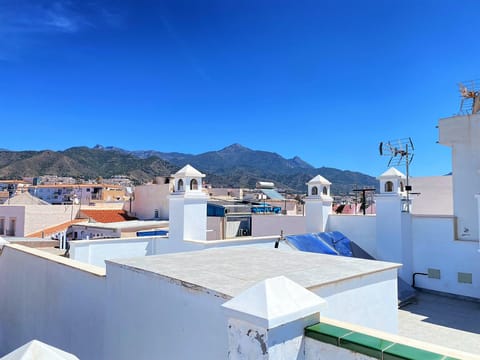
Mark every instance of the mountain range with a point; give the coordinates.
(233, 166)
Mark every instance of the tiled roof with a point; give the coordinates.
(54, 229)
(106, 216)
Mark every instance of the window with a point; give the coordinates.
(194, 184)
(155, 214)
(180, 185)
(2, 226)
(402, 187)
(388, 186)
(11, 227)
(325, 190)
(314, 190)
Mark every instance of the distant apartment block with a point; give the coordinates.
(78, 193)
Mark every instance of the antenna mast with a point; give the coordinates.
(470, 93)
(401, 153)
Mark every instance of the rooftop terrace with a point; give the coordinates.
(245, 266)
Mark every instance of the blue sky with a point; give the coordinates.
(324, 80)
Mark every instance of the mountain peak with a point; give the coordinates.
(299, 162)
(235, 147)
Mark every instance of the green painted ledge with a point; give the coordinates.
(369, 345)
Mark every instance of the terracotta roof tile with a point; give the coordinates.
(107, 216)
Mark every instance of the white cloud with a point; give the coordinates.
(23, 23)
(46, 16)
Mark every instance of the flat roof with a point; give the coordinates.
(126, 225)
(245, 266)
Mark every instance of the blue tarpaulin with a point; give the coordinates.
(311, 243)
(333, 243)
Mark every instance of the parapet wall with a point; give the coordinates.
(52, 299)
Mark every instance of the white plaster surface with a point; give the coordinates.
(152, 316)
(267, 225)
(360, 229)
(274, 302)
(434, 247)
(188, 216)
(393, 233)
(370, 301)
(370, 286)
(317, 210)
(436, 195)
(36, 350)
(41, 298)
(32, 218)
(149, 198)
(462, 134)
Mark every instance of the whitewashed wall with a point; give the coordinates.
(214, 228)
(434, 247)
(148, 198)
(42, 298)
(33, 218)
(95, 252)
(266, 225)
(16, 212)
(369, 301)
(156, 317)
(360, 229)
(431, 244)
(181, 321)
(38, 217)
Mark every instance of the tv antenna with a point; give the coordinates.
(470, 93)
(401, 153)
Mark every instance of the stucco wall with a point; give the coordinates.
(148, 198)
(16, 212)
(95, 252)
(33, 218)
(369, 301)
(266, 225)
(153, 315)
(38, 217)
(214, 227)
(434, 247)
(428, 243)
(43, 299)
(360, 229)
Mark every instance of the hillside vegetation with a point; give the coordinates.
(233, 166)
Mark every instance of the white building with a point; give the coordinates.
(25, 214)
(184, 297)
(150, 201)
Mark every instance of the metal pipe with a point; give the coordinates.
(415, 274)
